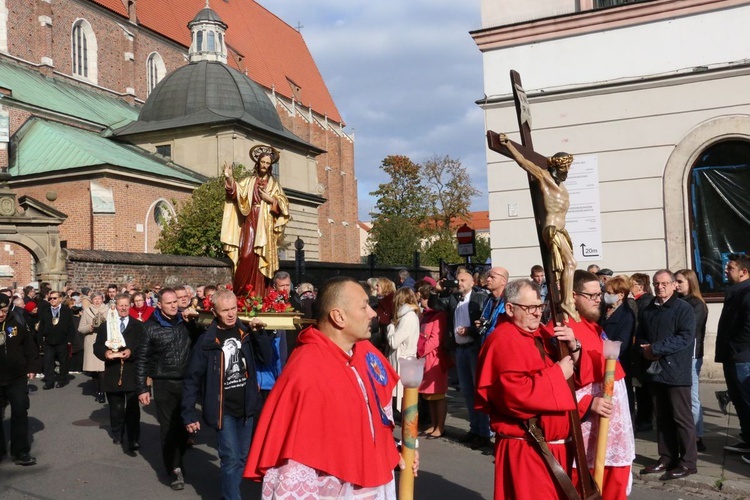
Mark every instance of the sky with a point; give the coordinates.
(405, 76)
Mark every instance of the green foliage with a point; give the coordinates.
(393, 241)
(450, 189)
(443, 247)
(483, 250)
(403, 197)
(196, 230)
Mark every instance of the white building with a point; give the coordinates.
(658, 93)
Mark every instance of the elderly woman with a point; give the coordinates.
(91, 317)
(140, 310)
(403, 333)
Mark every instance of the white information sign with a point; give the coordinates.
(584, 222)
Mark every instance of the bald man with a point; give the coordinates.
(330, 407)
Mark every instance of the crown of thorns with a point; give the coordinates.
(257, 151)
(560, 160)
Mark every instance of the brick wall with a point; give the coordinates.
(21, 260)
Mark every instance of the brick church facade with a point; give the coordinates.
(75, 73)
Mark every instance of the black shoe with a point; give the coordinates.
(100, 398)
(60, 385)
(723, 398)
(741, 447)
(178, 481)
(746, 458)
(25, 459)
(678, 473)
(135, 446)
(480, 442)
(699, 444)
(469, 437)
(48, 385)
(116, 441)
(655, 468)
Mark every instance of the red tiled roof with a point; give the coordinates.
(273, 51)
(478, 221)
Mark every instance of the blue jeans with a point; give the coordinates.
(234, 444)
(737, 376)
(466, 366)
(696, 398)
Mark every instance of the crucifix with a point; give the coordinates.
(550, 201)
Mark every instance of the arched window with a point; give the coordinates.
(719, 193)
(221, 43)
(156, 70)
(199, 41)
(84, 51)
(211, 41)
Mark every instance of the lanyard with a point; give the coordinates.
(495, 311)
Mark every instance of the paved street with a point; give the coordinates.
(78, 460)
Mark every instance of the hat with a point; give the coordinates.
(429, 280)
(30, 306)
(604, 272)
(4, 300)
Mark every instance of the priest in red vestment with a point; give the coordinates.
(326, 429)
(591, 406)
(517, 378)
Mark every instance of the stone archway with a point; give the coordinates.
(35, 228)
(676, 173)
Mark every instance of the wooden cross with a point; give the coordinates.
(526, 148)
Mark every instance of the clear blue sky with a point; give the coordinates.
(404, 74)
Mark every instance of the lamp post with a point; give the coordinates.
(411, 371)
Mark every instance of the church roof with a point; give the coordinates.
(273, 53)
(53, 94)
(208, 92)
(45, 147)
(207, 14)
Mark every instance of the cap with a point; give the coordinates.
(604, 272)
(4, 301)
(30, 306)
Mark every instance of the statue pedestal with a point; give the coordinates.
(274, 321)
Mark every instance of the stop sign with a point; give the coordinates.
(465, 234)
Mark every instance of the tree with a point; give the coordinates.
(403, 196)
(393, 241)
(196, 230)
(450, 189)
(441, 248)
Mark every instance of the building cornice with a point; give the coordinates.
(581, 23)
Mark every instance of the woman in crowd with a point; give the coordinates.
(618, 323)
(76, 348)
(640, 289)
(434, 385)
(403, 332)
(384, 289)
(689, 289)
(140, 310)
(91, 318)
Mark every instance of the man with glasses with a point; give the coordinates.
(733, 346)
(494, 307)
(519, 379)
(666, 335)
(57, 331)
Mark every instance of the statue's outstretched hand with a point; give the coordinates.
(503, 139)
(227, 170)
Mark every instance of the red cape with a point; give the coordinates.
(316, 414)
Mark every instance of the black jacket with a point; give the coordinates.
(164, 351)
(733, 334)
(670, 329)
(700, 309)
(133, 335)
(18, 352)
(64, 332)
(621, 326)
(449, 303)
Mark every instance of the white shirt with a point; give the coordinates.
(461, 318)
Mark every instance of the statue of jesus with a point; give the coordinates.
(556, 204)
(256, 212)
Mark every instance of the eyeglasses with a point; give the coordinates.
(657, 284)
(591, 296)
(54, 298)
(496, 276)
(530, 309)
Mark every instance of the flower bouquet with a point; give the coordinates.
(274, 309)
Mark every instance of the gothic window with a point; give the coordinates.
(199, 41)
(156, 70)
(84, 51)
(221, 43)
(719, 195)
(211, 42)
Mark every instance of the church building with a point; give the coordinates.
(113, 111)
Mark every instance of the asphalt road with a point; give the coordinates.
(77, 460)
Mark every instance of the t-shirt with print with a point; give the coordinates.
(235, 372)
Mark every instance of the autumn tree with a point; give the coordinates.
(450, 189)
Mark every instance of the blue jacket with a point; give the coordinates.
(204, 378)
(269, 372)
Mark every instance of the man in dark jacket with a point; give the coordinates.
(666, 336)
(119, 373)
(18, 355)
(733, 346)
(163, 357)
(221, 375)
(57, 332)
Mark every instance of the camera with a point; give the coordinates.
(448, 284)
(484, 325)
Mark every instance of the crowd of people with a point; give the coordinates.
(276, 423)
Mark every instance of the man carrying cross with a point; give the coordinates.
(556, 203)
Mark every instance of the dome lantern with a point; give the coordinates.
(208, 40)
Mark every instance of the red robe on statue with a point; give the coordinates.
(514, 383)
(317, 414)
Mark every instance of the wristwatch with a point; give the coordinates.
(578, 347)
